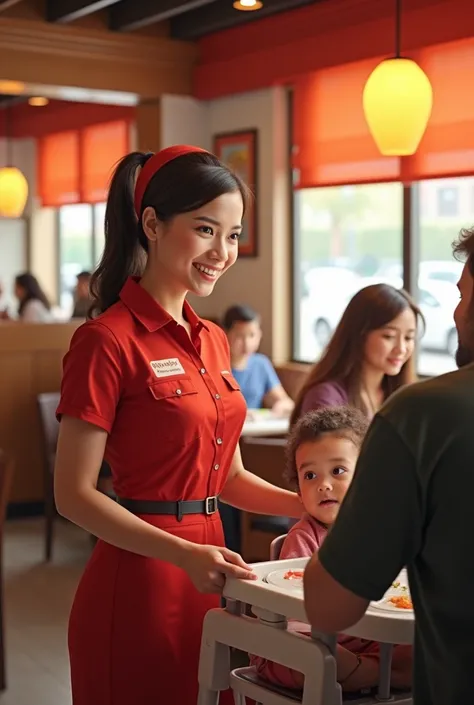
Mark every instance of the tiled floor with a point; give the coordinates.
(37, 599)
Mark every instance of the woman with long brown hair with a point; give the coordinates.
(369, 356)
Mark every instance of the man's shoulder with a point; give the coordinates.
(451, 388)
(430, 411)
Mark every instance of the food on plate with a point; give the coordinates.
(399, 585)
(402, 602)
(294, 575)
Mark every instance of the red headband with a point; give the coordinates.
(153, 165)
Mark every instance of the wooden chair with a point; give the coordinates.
(292, 376)
(47, 404)
(264, 457)
(6, 474)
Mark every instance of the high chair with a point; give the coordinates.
(268, 637)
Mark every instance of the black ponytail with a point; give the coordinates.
(184, 184)
(124, 252)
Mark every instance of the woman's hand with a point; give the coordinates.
(208, 566)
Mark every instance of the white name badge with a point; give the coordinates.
(167, 368)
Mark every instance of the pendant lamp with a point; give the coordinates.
(13, 185)
(397, 101)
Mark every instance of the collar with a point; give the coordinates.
(150, 313)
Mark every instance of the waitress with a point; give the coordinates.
(147, 385)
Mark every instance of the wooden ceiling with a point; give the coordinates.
(187, 19)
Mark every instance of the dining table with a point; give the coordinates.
(262, 422)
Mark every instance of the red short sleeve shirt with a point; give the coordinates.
(171, 407)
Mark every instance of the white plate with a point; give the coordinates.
(277, 578)
(401, 590)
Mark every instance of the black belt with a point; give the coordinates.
(177, 509)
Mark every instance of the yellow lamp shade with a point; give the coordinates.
(13, 192)
(397, 104)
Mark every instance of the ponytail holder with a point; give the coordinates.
(154, 164)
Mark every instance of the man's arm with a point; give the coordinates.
(330, 606)
(377, 532)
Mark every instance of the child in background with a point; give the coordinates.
(322, 455)
(253, 371)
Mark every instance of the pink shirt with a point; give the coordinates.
(304, 539)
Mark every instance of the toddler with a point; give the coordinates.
(322, 454)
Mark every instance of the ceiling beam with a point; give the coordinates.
(134, 14)
(219, 16)
(63, 11)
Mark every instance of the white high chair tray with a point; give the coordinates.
(399, 589)
(388, 626)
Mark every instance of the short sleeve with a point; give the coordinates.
(298, 544)
(270, 376)
(321, 396)
(379, 527)
(92, 376)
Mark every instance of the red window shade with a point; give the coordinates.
(332, 142)
(58, 169)
(101, 148)
(447, 148)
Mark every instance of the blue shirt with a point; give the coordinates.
(256, 380)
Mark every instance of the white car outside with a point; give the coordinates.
(330, 294)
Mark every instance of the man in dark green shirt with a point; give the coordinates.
(411, 503)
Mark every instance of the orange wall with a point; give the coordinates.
(329, 33)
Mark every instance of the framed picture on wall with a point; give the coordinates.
(239, 151)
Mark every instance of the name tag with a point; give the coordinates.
(167, 368)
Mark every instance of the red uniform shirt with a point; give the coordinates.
(172, 409)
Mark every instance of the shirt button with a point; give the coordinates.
(203, 371)
(216, 466)
(218, 396)
(219, 441)
(178, 391)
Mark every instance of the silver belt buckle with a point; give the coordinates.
(211, 505)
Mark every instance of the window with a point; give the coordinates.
(351, 236)
(448, 202)
(439, 272)
(81, 239)
(346, 237)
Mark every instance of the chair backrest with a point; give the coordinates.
(47, 404)
(266, 458)
(275, 547)
(292, 377)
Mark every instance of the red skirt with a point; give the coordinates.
(136, 623)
